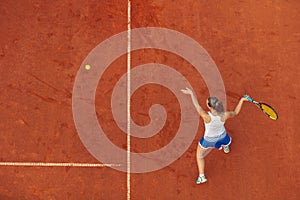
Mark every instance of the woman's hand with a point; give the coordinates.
(187, 91)
(245, 98)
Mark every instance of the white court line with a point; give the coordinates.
(46, 164)
(128, 94)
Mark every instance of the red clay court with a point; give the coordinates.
(255, 44)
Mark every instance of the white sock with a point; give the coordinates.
(201, 175)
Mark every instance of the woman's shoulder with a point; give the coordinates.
(207, 117)
(223, 117)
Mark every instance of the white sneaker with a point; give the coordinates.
(226, 149)
(201, 179)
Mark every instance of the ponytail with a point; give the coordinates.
(216, 104)
(219, 107)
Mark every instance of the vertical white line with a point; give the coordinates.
(128, 95)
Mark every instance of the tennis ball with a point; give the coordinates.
(87, 67)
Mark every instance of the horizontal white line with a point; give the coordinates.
(44, 164)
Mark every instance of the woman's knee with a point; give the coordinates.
(201, 152)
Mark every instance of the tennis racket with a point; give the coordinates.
(267, 109)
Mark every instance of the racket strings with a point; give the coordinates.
(269, 111)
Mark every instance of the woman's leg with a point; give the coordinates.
(226, 142)
(201, 153)
(200, 159)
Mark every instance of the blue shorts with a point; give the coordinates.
(216, 141)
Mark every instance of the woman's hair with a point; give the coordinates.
(216, 104)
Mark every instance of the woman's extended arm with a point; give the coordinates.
(237, 109)
(199, 109)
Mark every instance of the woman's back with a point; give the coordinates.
(215, 127)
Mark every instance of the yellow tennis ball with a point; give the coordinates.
(87, 67)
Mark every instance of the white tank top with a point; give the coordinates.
(215, 127)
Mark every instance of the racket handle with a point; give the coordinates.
(249, 98)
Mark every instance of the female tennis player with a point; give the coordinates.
(215, 135)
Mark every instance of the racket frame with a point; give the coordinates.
(258, 104)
